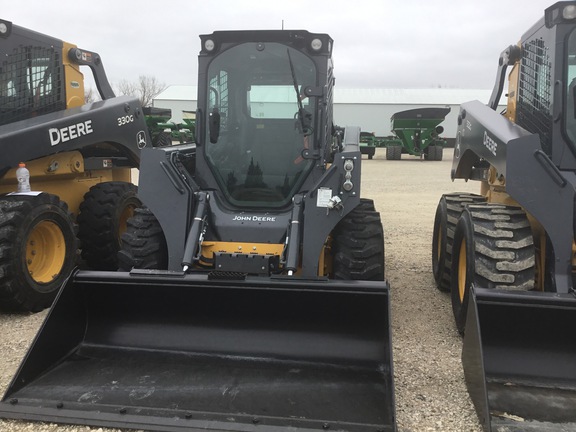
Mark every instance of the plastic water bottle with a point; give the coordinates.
(23, 176)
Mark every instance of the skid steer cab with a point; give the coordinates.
(506, 255)
(253, 294)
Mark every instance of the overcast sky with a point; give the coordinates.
(377, 44)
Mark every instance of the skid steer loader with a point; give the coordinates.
(507, 254)
(253, 295)
(79, 156)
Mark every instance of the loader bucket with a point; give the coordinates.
(519, 359)
(171, 352)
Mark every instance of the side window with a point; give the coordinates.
(30, 83)
(534, 90)
(218, 96)
(7, 80)
(40, 76)
(35, 78)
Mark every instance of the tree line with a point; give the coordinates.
(146, 89)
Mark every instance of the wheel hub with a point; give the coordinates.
(45, 252)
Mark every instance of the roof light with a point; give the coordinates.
(209, 45)
(316, 44)
(569, 12)
(3, 28)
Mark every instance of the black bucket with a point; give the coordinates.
(519, 358)
(168, 352)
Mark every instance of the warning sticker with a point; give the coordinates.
(324, 196)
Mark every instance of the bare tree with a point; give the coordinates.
(127, 88)
(150, 87)
(146, 89)
(89, 95)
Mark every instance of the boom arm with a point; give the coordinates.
(508, 57)
(94, 62)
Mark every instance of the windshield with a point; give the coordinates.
(254, 91)
(570, 114)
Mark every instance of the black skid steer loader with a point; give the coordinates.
(253, 295)
(80, 157)
(506, 255)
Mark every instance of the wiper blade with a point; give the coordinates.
(304, 116)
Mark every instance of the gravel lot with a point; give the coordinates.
(430, 390)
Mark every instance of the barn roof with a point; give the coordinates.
(427, 96)
(178, 92)
(394, 96)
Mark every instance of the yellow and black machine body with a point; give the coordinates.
(79, 156)
(251, 294)
(506, 255)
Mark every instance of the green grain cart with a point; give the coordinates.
(416, 133)
(368, 144)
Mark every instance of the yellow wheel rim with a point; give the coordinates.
(462, 271)
(45, 252)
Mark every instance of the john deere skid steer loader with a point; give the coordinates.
(253, 296)
(79, 157)
(507, 254)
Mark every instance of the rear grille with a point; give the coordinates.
(30, 83)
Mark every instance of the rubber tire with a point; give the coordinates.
(497, 245)
(358, 245)
(439, 153)
(433, 153)
(20, 217)
(102, 220)
(371, 153)
(143, 243)
(448, 211)
(162, 139)
(394, 152)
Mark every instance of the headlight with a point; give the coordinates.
(5, 27)
(316, 44)
(569, 12)
(209, 45)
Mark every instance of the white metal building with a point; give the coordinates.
(178, 98)
(370, 109)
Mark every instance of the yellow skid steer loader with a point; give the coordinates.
(79, 155)
(506, 255)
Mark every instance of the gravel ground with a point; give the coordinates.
(430, 390)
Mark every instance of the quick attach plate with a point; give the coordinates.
(246, 263)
